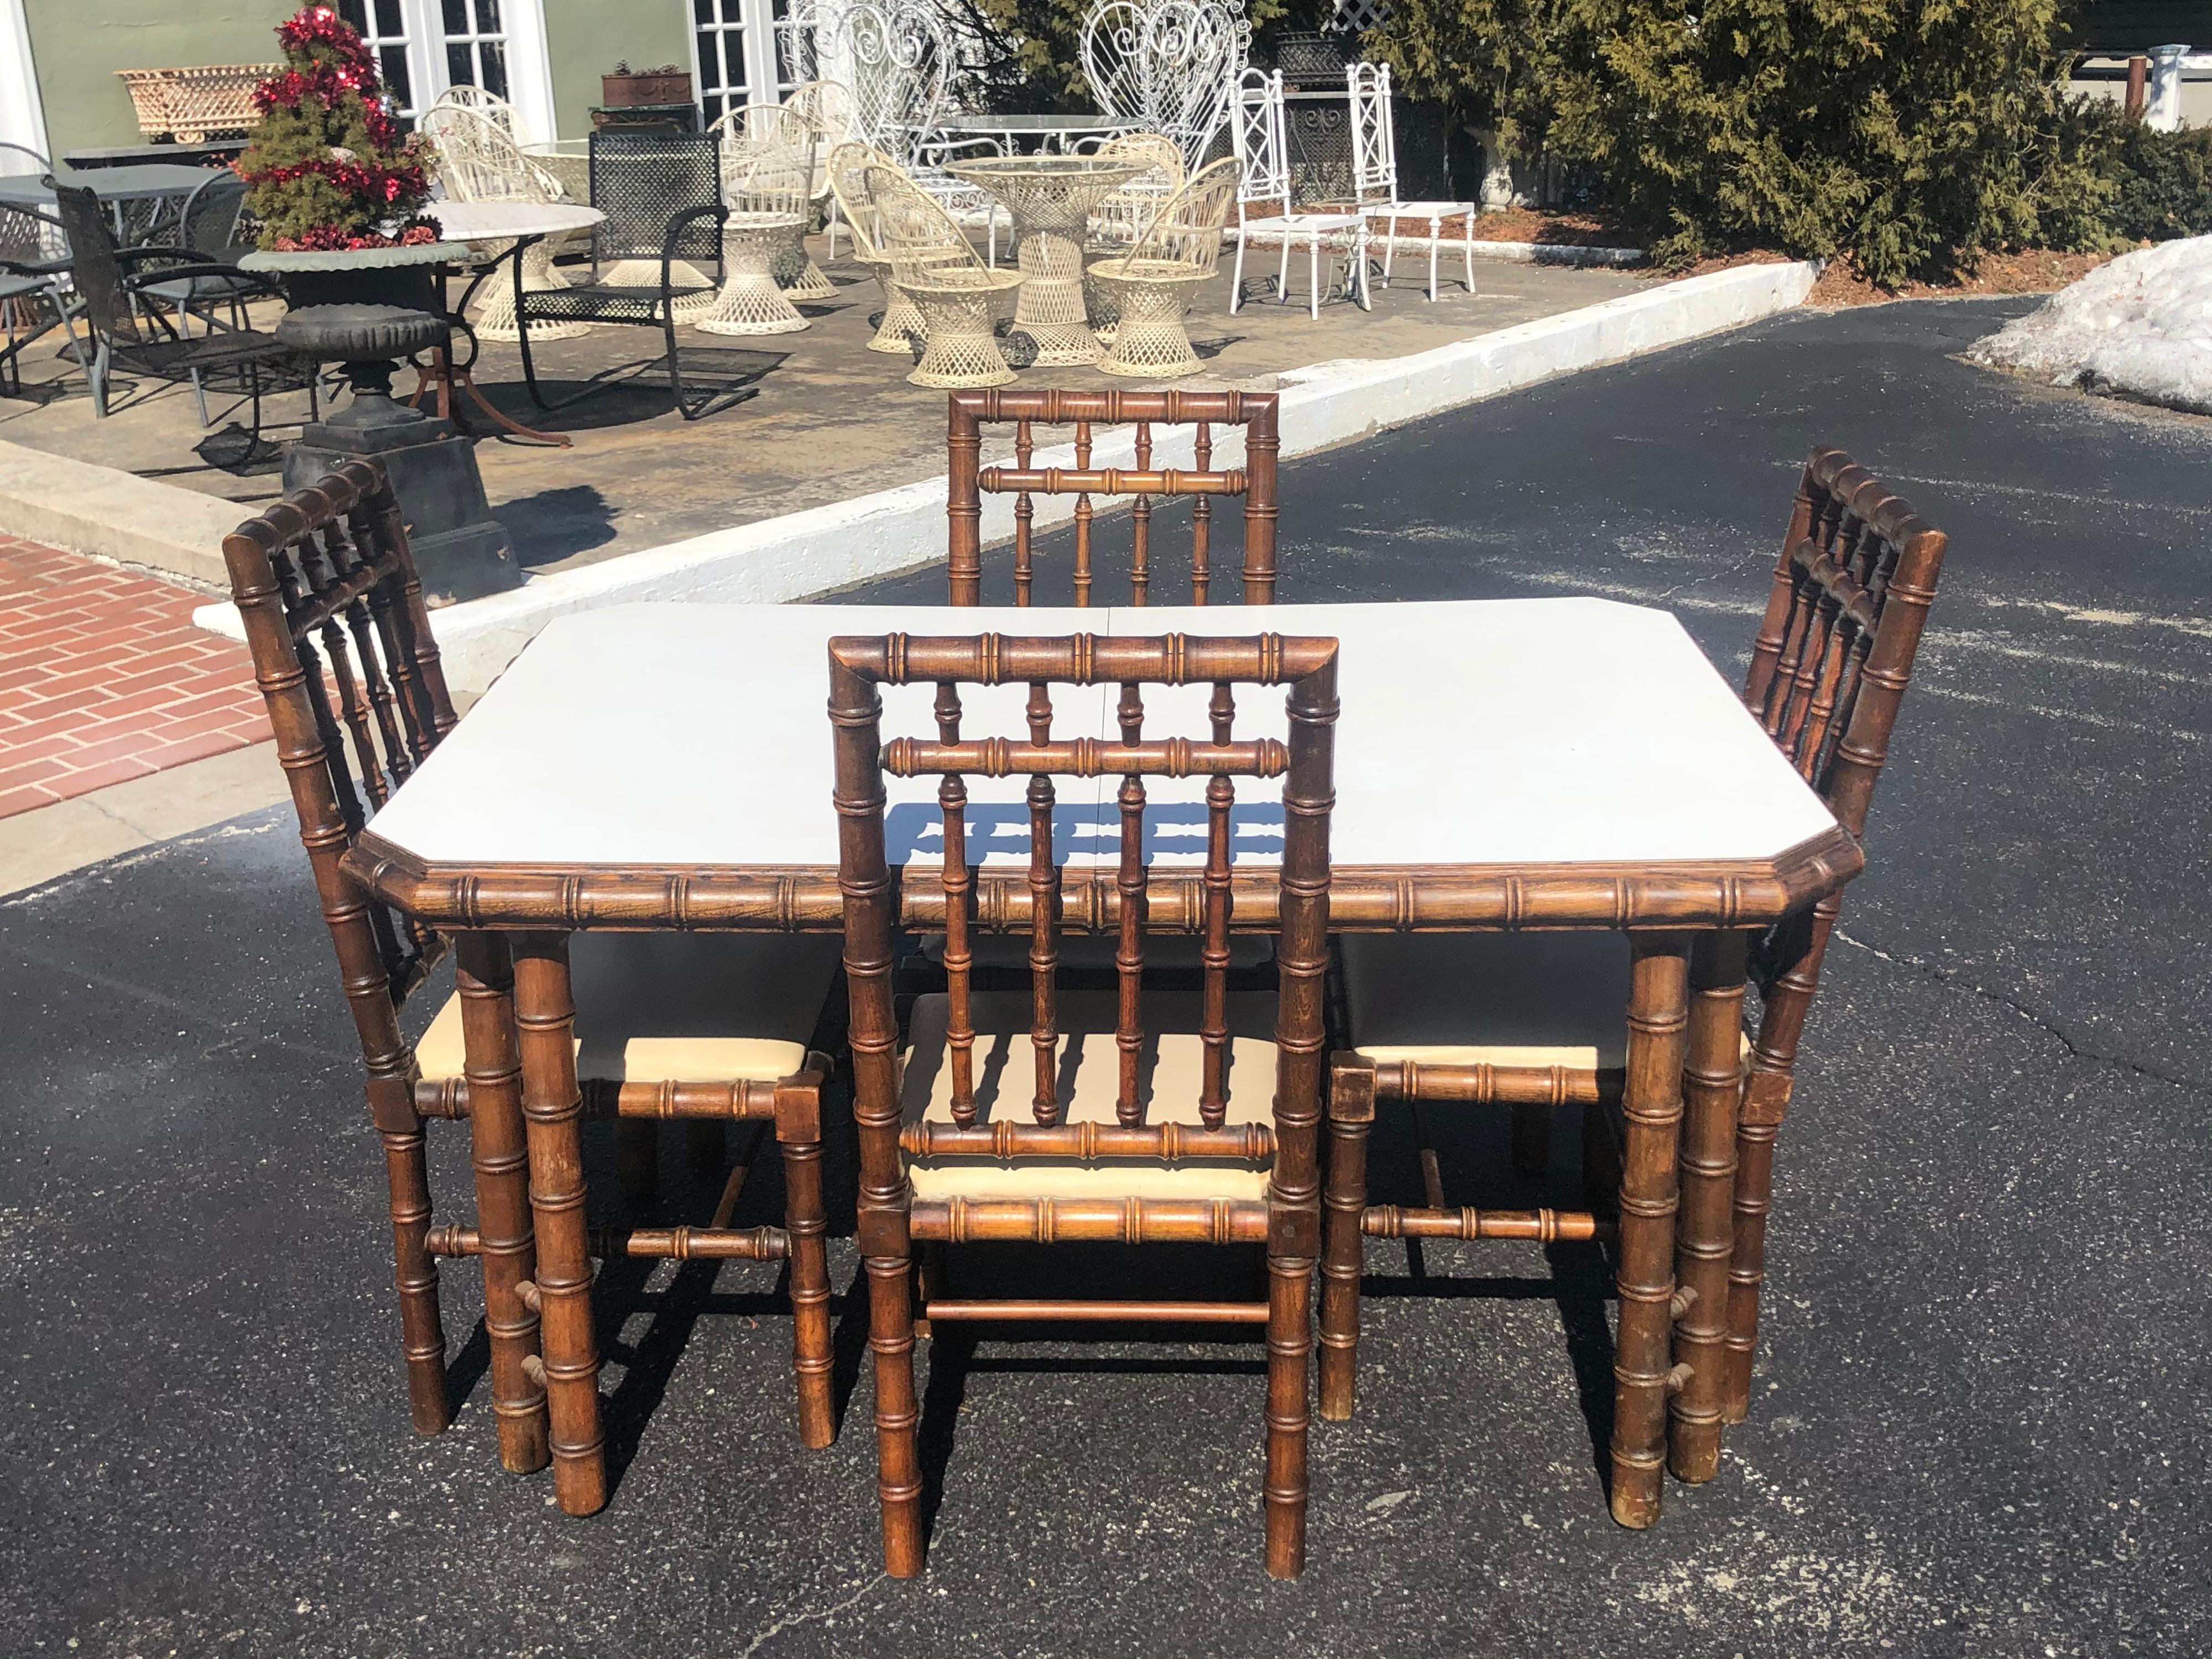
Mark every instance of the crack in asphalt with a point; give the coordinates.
(2041, 1022)
(790, 1619)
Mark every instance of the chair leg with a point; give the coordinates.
(1436, 233)
(1467, 247)
(1283, 275)
(1712, 1091)
(1351, 1115)
(798, 1137)
(1313, 278)
(1290, 1346)
(545, 1013)
(1389, 250)
(485, 977)
(1658, 1016)
(1236, 277)
(199, 396)
(422, 1331)
(1788, 998)
(898, 1414)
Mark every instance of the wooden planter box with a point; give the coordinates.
(633, 91)
(188, 104)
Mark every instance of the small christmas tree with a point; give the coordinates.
(328, 166)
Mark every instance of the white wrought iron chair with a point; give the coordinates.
(1375, 175)
(959, 297)
(475, 100)
(1166, 65)
(1152, 287)
(747, 134)
(1263, 156)
(1118, 222)
(827, 108)
(476, 160)
(900, 54)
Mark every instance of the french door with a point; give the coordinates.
(735, 54)
(423, 47)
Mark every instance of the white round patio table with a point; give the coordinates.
(1050, 198)
(491, 229)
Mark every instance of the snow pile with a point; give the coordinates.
(2140, 327)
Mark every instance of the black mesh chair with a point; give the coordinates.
(209, 228)
(129, 334)
(662, 196)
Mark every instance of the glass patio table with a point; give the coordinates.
(1598, 775)
(1050, 198)
(160, 186)
(1051, 132)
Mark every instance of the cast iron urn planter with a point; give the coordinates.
(365, 309)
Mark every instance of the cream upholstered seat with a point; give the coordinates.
(1090, 1072)
(1494, 999)
(688, 1007)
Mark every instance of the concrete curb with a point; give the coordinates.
(802, 555)
(82, 509)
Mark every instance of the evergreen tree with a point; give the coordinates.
(1911, 134)
(328, 165)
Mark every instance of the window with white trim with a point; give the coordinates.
(737, 57)
(476, 46)
(384, 29)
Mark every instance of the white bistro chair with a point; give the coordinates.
(1264, 212)
(1375, 175)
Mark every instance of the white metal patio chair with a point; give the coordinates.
(1264, 213)
(1375, 175)
(750, 133)
(900, 54)
(1166, 65)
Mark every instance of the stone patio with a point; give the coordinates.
(821, 418)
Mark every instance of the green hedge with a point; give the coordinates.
(1913, 134)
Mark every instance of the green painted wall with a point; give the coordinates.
(77, 49)
(584, 39)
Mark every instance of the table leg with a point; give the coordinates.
(545, 1013)
(1658, 1015)
(1049, 307)
(485, 976)
(1712, 1088)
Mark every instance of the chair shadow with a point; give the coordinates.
(1580, 1282)
(553, 524)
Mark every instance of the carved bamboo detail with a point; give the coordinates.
(1257, 481)
(1712, 1087)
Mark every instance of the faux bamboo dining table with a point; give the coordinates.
(1521, 764)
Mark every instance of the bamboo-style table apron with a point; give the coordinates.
(1518, 763)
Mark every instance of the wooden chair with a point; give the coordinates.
(1190, 1126)
(1255, 481)
(1535, 1021)
(707, 1029)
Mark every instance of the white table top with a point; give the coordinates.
(496, 221)
(1520, 732)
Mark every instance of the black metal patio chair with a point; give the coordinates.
(661, 193)
(138, 340)
(209, 227)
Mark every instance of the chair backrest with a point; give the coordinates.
(1255, 132)
(798, 43)
(767, 153)
(911, 229)
(478, 160)
(1168, 64)
(858, 667)
(326, 584)
(21, 161)
(641, 179)
(898, 55)
(1374, 133)
(94, 271)
(487, 106)
(209, 223)
(1255, 481)
(1187, 230)
(1835, 649)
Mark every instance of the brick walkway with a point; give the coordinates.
(103, 677)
